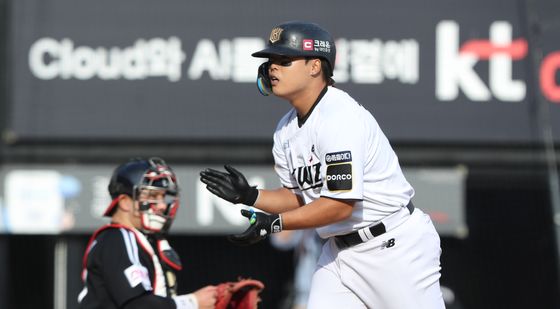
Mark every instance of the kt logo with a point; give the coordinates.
(455, 64)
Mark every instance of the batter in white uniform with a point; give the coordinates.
(339, 175)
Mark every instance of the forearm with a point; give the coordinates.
(321, 212)
(277, 201)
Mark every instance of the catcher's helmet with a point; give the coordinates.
(151, 174)
(300, 39)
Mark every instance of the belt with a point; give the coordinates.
(367, 233)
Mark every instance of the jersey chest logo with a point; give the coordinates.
(308, 177)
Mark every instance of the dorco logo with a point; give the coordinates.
(455, 64)
(339, 177)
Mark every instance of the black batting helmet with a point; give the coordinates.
(300, 39)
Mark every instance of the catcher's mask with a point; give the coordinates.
(296, 39)
(151, 183)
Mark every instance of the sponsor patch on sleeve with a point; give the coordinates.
(338, 157)
(339, 177)
(137, 274)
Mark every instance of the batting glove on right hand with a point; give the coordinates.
(231, 186)
(261, 226)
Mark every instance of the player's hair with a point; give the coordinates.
(325, 70)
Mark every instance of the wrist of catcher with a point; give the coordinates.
(188, 301)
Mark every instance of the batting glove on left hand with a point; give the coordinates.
(261, 226)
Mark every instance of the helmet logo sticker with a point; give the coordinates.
(275, 34)
(307, 44)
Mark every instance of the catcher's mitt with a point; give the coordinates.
(243, 294)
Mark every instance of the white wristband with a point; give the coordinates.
(186, 301)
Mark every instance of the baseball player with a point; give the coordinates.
(339, 175)
(129, 263)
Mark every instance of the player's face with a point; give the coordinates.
(289, 76)
(155, 208)
(154, 199)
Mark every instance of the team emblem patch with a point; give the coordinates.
(275, 34)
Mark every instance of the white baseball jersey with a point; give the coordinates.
(340, 152)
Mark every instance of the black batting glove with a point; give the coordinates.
(261, 226)
(231, 186)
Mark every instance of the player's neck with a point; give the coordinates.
(305, 101)
(123, 219)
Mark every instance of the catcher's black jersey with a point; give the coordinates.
(121, 264)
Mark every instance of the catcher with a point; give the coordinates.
(129, 263)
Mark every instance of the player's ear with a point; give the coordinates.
(315, 66)
(125, 203)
